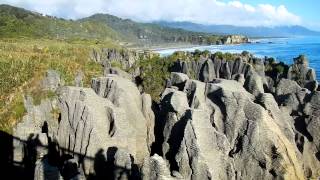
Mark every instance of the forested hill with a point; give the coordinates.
(18, 22)
(150, 33)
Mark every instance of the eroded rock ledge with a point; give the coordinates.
(217, 119)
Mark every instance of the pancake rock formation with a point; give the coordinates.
(217, 118)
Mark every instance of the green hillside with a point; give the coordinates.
(17, 22)
(148, 33)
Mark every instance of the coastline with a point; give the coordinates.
(171, 46)
(253, 40)
(178, 46)
(166, 47)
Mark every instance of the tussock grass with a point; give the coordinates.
(23, 63)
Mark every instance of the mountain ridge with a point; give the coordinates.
(35, 25)
(259, 31)
(99, 27)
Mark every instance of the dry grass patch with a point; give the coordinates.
(23, 63)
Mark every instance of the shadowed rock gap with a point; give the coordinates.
(175, 140)
(301, 126)
(156, 147)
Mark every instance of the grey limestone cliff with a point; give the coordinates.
(217, 118)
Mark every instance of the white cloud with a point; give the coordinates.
(198, 11)
(277, 14)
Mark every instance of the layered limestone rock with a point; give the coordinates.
(112, 114)
(208, 69)
(226, 135)
(307, 135)
(52, 80)
(122, 57)
(217, 118)
(254, 84)
(89, 125)
(124, 94)
(155, 168)
(38, 124)
(302, 74)
(117, 71)
(245, 69)
(35, 126)
(235, 39)
(125, 58)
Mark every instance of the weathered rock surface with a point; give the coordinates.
(302, 74)
(155, 168)
(235, 39)
(52, 80)
(254, 84)
(117, 71)
(112, 114)
(178, 79)
(39, 122)
(217, 119)
(308, 132)
(78, 80)
(124, 58)
(286, 86)
(240, 69)
(247, 140)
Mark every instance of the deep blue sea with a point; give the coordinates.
(282, 49)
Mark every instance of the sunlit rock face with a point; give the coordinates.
(216, 119)
(222, 133)
(111, 114)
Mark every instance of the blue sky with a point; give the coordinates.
(308, 10)
(235, 12)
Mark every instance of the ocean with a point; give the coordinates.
(282, 49)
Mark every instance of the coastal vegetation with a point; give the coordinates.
(275, 69)
(23, 63)
(44, 42)
(226, 56)
(89, 99)
(155, 72)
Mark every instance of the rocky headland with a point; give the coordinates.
(235, 39)
(219, 116)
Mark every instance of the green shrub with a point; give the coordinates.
(181, 55)
(218, 55)
(224, 56)
(271, 60)
(155, 71)
(279, 69)
(205, 52)
(197, 52)
(245, 53)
